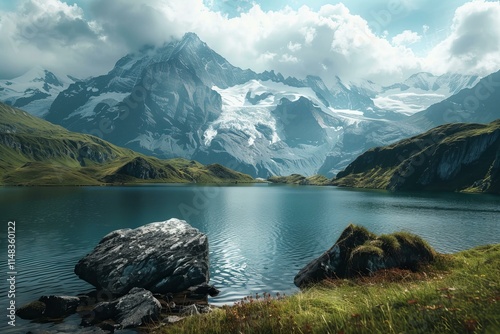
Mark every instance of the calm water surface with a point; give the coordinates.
(259, 235)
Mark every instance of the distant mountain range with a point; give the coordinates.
(34, 91)
(184, 100)
(36, 152)
(416, 93)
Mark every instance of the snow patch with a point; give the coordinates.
(87, 110)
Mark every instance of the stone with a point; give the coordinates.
(31, 311)
(333, 263)
(59, 306)
(172, 319)
(359, 252)
(163, 257)
(189, 310)
(204, 290)
(132, 310)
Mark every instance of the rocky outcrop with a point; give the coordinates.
(359, 252)
(132, 310)
(140, 168)
(163, 257)
(452, 157)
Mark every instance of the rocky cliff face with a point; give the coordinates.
(454, 157)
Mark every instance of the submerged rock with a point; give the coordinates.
(163, 257)
(359, 252)
(49, 307)
(59, 306)
(31, 311)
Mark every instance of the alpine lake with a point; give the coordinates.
(259, 235)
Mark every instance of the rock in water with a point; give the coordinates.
(59, 306)
(31, 311)
(49, 307)
(132, 310)
(359, 252)
(162, 257)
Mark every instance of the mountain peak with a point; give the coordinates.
(191, 36)
(422, 75)
(191, 39)
(32, 74)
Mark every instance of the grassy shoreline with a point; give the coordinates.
(458, 293)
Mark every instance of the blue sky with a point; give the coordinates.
(381, 40)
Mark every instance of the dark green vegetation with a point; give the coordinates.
(315, 180)
(36, 152)
(457, 293)
(451, 157)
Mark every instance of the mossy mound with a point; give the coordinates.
(360, 252)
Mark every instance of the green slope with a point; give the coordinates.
(36, 152)
(315, 180)
(452, 157)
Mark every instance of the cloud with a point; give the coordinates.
(327, 42)
(52, 34)
(294, 47)
(474, 43)
(407, 37)
(286, 58)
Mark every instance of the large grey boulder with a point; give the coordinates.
(359, 252)
(162, 257)
(132, 310)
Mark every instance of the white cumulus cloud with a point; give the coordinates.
(327, 42)
(407, 37)
(474, 43)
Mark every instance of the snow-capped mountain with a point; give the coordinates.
(416, 93)
(34, 91)
(185, 100)
(479, 104)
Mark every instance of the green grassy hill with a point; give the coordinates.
(451, 157)
(36, 152)
(315, 180)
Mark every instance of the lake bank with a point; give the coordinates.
(457, 293)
